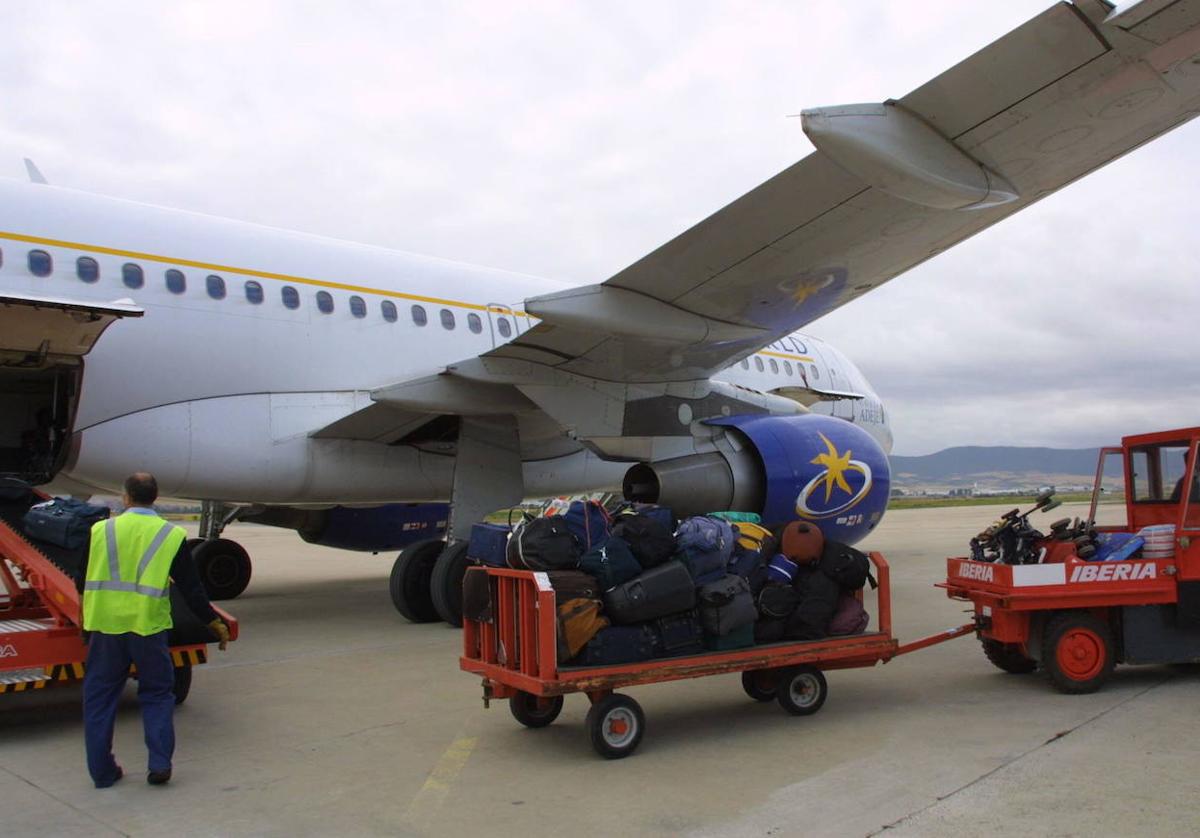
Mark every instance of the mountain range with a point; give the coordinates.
(996, 467)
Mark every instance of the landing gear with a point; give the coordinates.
(223, 565)
(445, 586)
(410, 581)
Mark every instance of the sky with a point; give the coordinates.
(569, 139)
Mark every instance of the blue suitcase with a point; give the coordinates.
(620, 644)
(488, 544)
(65, 522)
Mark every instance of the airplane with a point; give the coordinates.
(376, 400)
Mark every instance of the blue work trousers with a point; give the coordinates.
(109, 657)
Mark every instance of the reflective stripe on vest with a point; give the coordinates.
(114, 581)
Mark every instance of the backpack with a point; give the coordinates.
(777, 602)
(726, 606)
(611, 564)
(579, 621)
(661, 514)
(850, 568)
(648, 537)
(819, 595)
(588, 522)
(704, 545)
(542, 544)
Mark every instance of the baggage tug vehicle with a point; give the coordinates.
(1060, 606)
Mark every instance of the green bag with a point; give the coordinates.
(738, 517)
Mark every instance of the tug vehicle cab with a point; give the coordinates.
(1122, 586)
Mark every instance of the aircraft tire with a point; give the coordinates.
(446, 584)
(410, 580)
(224, 567)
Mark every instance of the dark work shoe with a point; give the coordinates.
(159, 778)
(120, 772)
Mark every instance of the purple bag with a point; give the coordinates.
(849, 618)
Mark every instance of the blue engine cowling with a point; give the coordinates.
(811, 467)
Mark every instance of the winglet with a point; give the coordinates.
(35, 174)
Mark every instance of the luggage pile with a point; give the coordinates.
(638, 585)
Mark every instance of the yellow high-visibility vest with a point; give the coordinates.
(128, 575)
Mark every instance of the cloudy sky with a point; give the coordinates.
(569, 139)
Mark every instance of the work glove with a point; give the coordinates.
(221, 630)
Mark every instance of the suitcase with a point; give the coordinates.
(488, 544)
(737, 639)
(65, 522)
(569, 584)
(666, 589)
(619, 644)
(726, 606)
(680, 634)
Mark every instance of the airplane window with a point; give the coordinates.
(324, 302)
(132, 275)
(40, 263)
(787, 367)
(504, 327)
(758, 364)
(474, 323)
(254, 292)
(1, 258)
(418, 315)
(447, 318)
(816, 373)
(774, 367)
(87, 269)
(290, 296)
(215, 286)
(745, 364)
(357, 307)
(176, 281)
(388, 309)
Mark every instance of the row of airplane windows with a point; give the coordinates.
(787, 367)
(87, 269)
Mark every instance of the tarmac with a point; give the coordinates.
(333, 715)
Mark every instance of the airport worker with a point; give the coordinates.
(126, 608)
(1177, 493)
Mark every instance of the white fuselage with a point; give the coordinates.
(218, 395)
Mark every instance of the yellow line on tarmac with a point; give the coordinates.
(429, 800)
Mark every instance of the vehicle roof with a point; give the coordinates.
(1160, 436)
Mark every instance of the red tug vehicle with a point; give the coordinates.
(1095, 593)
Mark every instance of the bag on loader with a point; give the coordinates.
(543, 543)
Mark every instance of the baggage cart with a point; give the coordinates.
(41, 641)
(515, 651)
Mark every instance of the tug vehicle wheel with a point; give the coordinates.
(409, 582)
(183, 683)
(1077, 652)
(1008, 656)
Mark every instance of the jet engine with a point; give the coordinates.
(810, 467)
(376, 529)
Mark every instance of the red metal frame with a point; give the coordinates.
(517, 648)
(49, 597)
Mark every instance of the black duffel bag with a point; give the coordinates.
(850, 568)
(650, 540)
(543, 543)
(65, 522)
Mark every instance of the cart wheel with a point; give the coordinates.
(1077, 651)
(616, 724)
(183, 682)
(761, 684)
(802, 690)
(532, 711)
(1008, 656)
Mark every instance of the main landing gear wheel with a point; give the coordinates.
(409, 583)
(802, 690)
(1008, 656)
(223, 565)
(183, 683)
(761, 684)
(1077, 651)
(445, 586)
(616, 724)
(535, 711)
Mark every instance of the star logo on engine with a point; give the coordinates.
(824, 495)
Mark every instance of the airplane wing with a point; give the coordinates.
(889, 186)
(34, 328)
